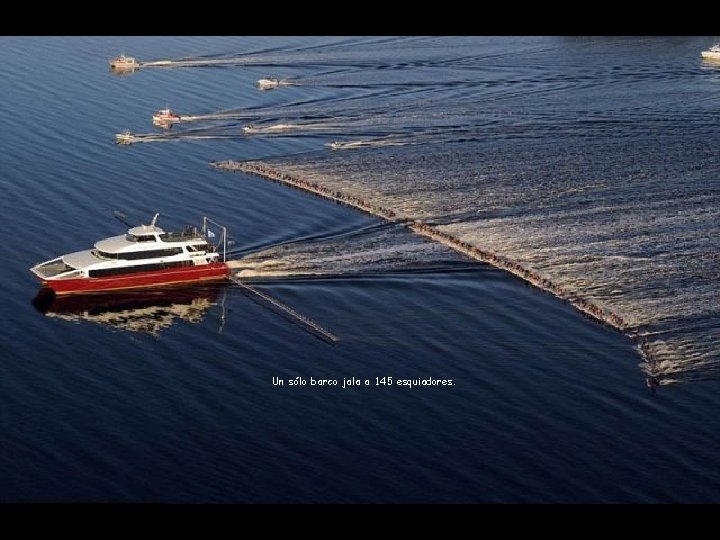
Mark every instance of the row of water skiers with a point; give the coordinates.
(498, 261)
(271, 173)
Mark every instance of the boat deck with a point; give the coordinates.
(51, 269)
(181, 236)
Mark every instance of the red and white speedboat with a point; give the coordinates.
(146, 256)
(165, 116)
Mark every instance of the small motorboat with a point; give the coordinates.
(123, 62)
(126, 137)
(163, 117)
(268, 83)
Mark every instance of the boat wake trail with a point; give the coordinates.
(285, 128)
(370, 143)
(366, 251)
(217, 117)
(195, 62)
(136, 138)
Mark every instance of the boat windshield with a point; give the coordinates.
(142, 238)
(103, 254)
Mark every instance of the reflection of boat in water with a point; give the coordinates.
(124, 63)
(165, 117)
(713, 53)
(126, 137)
(146, 256)
(137, 311)
(268, 83)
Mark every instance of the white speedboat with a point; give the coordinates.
(124, 62)
(713, 53)
(126, 137)
(268, 83)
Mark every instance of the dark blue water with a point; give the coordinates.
(591, 160)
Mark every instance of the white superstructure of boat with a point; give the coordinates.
(124, 62)
(268, 83)
(166, 116)
(713, 53)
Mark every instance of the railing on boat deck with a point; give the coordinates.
(223, 239)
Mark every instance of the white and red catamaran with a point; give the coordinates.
(146, 256)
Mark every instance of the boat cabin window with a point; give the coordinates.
(136, 255)
(151, 254)
(139, 238)
(104, 254)
(103, 272)
(199, 247)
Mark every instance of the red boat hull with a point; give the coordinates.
(157, 278)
